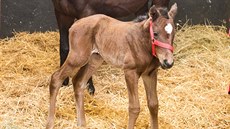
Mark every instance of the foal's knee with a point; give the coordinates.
(153, 106)
(134, 110)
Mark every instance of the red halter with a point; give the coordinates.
(157, 42)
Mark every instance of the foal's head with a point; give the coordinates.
(162, 32)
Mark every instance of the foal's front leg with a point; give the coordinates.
(150, 83)
(131, 78)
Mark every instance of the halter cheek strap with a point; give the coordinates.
(157, 42)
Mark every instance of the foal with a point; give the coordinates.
(139, 48)
(68, 10)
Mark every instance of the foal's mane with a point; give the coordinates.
(161, 11)
(141, 18)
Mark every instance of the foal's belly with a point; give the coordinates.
(113, 57)
(113, 47)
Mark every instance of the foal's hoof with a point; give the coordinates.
(91, 89)
(66, 82)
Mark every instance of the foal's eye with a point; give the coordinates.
(155, 34)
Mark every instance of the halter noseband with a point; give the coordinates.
(157, 42)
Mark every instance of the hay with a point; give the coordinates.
(193, 94)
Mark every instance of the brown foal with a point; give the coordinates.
(139, 48)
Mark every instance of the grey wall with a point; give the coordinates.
(38, 15)
(216, 12)
(26, 15)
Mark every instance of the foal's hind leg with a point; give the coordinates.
(56, 81)
(79, 83)
(73, 62)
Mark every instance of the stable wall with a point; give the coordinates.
(38, 15)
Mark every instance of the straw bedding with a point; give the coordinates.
(192, 94)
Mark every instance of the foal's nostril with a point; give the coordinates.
(167, 64)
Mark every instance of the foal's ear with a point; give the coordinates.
(173, 11)
(153, 13)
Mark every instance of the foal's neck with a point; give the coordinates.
(145, 29)
(144, 34)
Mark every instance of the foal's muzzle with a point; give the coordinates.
(166, 64)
